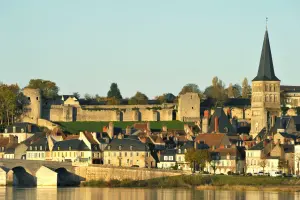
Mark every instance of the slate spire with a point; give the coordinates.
(266, 68)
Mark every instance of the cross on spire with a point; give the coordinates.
(266, 23)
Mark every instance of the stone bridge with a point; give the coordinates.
(32, 173)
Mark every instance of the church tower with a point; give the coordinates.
(265, 101)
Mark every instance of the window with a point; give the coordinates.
(137, 153)
(131, 154)
(37, 98)
(108, 153)
(179, 158)
(179, 150)
(125, 154)
(120, 147)
(30, 148)
(41, 148)
(81, 154)
(131, 148)
(170, 157)
(70, 148)
(58, 148)
(108, 162)
(165, 157)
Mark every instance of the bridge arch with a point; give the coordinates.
(66, 178)
(23, 177)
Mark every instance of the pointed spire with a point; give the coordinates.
(266, 68)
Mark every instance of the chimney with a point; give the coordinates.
(11, 139)
(229, 113)
(29, 127)
(265, 142)
(128, 130)
(273, 120)
(111, 129)
(148, 126)
(206, 114)
(216, 124)
(164, 128)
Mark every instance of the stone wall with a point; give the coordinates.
(109, 173)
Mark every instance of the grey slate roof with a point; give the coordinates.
(266, 68)
(223, 122)
(23, 125)
(42, 142)
(70, 145)
(259, 146)
(290, 88)
(126, 144)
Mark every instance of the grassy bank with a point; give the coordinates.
(75, 127)
(207, 182)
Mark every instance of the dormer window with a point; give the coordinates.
(70, 148)
(108, 147)
(179, 150)
(58, 148)
(30, 147)
(130, 148)
(120, 147)
(35, 148)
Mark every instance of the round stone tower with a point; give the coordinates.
(34, 109)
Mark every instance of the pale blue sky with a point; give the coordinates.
(149, 46)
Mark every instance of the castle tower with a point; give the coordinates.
(34, 109)
(189, 107)
(265, 102)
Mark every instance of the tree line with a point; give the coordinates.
(13, 102)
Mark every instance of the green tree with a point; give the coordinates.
(246, 89)
(191, 87)
(230, 91)
(217, 92)
(166, 98)
(114, 92)
(197, 157)
(76, 95)
(138, 98)
(48, 88)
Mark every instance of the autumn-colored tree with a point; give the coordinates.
(166, 98)
(48, 88)
(263, 164)
(197, 157)
(217, 92)
(138, 98)
(246, 89)
(191, 87)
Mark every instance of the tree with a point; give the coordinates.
(166, 98)
(76, 95)
(197, 157)
(246, 89)
(114, 92)
(263, 164)
(217, 92)
(49, 89)
(191, 87)
(138, 98)
(230, 93)
(88, 97)
(12, 103)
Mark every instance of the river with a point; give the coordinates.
(82, 193)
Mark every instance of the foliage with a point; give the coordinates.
(233, 91)
(284, 110)
(217, 92)
(166, 98)
(198, 157)
(12, 103)
(191, 87)
(114, 92)
(297, 109)
(76, 95)
(48, 88)
(246, 89)
(138, 99)
(263, 164)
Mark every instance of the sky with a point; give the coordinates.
(153, 46)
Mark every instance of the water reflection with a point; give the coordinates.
(11, 193)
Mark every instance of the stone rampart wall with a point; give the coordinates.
(109, 173)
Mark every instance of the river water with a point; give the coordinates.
(81, 193)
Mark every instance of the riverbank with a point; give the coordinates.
(206, 182)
